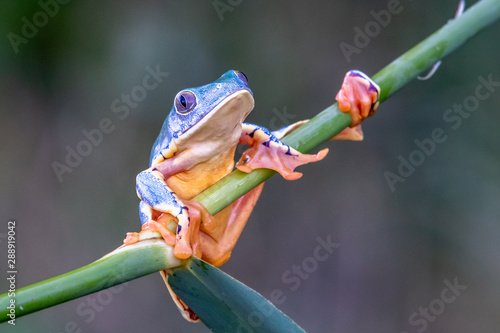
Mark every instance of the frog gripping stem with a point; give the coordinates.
(179, 160)
(359, 96)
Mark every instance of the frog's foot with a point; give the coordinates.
(182, 248)
(167, 235)
(198, 214)
(131, 238)
(188, 238)
(267, 151)
(148, 228)
(359, 96)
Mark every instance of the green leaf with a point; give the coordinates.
(224, 304)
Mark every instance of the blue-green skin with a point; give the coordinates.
(152, 189)
(175, 134)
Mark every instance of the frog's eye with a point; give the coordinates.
(242, 77)
(185, 101)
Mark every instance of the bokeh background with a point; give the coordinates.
(397, 248)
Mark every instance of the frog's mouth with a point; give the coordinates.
(222, 122)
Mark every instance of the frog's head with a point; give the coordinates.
(213, 108)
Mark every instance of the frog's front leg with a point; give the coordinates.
(155, 195)
(269, 152)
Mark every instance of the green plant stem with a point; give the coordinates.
(123, 266)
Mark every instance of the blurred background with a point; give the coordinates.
(67, 67)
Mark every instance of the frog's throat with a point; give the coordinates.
(184, 137)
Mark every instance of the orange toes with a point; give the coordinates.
(132, 238)
(199, 212)
(359, 96)
(273, 157)
(182, 250)
(167, 235)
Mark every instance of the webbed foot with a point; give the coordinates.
(273, 156)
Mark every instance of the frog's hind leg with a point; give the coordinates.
(217, 249)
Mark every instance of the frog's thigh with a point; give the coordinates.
(217, 252)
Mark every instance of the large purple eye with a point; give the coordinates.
(242, 77)
(185, 101)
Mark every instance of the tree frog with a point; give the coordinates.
(195, 148)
